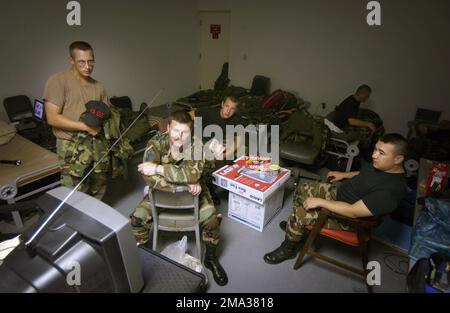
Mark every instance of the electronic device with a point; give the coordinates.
(38, 110)
(86, 247)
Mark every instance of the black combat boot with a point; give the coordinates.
(212, 263)
(215, 198)
(287, 250)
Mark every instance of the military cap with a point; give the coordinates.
(96, 113)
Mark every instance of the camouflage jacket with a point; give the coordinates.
(187, 169)
(90, 150)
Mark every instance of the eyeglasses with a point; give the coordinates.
(83, 63)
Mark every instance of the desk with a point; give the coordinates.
(37, 163)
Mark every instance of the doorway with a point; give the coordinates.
(214, 45)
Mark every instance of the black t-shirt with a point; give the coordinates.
(347, 109)
(211, 116)
(380, 191)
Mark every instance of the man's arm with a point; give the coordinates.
(56, 119)
(355, 210)
(187, 173)
(337, 176)
(360, 123)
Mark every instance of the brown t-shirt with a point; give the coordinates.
(70, 94)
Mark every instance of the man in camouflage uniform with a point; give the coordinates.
(373, 191)
(65, 95)
(171, 160)
(88, 151)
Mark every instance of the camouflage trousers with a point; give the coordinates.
(94, 185)
(141, 219)
(299, 218)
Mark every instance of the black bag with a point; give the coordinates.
(430, 275)
(260, 86)
(121, 102)
(162, 274)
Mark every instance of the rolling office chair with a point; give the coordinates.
(20, 112)
(177, 212)
(307, 152)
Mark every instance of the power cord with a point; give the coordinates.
(398, 264)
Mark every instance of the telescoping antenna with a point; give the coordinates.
(58, 208)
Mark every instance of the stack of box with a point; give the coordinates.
(255, 197)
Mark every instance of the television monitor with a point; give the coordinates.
(87, 247)
(427, 116)
(38, 110)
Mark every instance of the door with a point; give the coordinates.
(214, 45)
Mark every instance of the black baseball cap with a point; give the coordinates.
(96, 113)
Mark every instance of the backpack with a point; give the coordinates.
(430, 275)
(260, 86)
(274, 100)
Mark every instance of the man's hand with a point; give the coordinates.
(217, 149)
(312, 203)
(333, 176)
(195, 189)
(93, 131)
(147, 168)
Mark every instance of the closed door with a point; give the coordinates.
(214, 46)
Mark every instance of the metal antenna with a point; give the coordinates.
(58, 208)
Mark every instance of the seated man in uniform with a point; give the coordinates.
(220, 116)
(171, 160)
(373, 191)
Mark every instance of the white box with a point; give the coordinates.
(253, 214)
(229, 178)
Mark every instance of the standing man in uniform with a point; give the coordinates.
(172, 160)
(65, 95)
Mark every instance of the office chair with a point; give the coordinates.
(20, 112)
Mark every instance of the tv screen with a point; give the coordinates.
(87, 247)
(38, 110)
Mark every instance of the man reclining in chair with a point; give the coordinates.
(373, 191)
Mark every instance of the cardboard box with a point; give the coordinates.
(234, 178)
(255, 198)
(252, 214)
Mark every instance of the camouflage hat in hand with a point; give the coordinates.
(96, 113)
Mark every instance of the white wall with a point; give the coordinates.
(323, 49)
(140, 46)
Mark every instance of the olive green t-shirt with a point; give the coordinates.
(70, 94)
